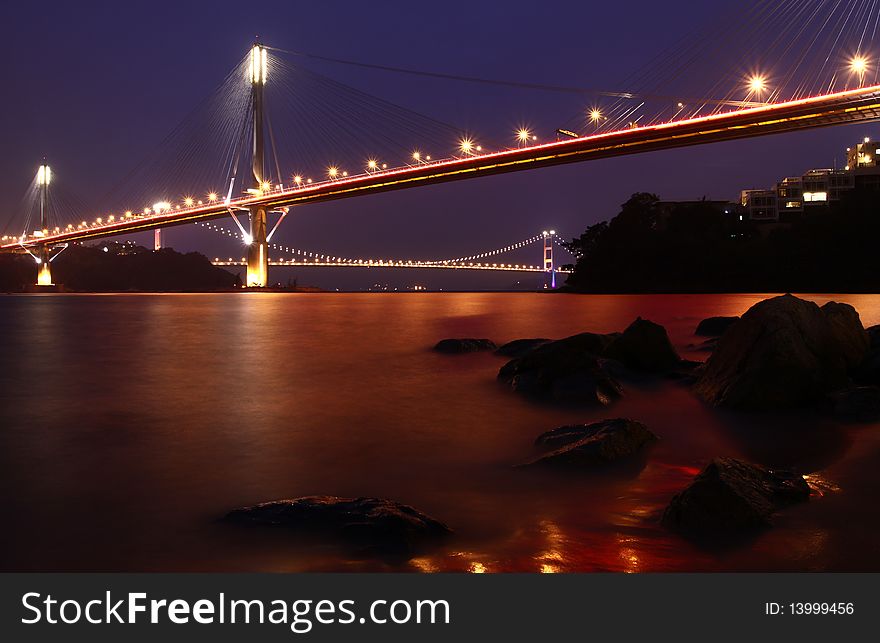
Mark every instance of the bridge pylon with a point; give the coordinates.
(549, 265)
(258, 247)
(44, 270)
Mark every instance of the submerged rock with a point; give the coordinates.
(784, 352)
(562, 371)
(706, 346)
(730, 496)
(856, 404)
(519, 347)
(465, 345)
(374, 523)
(644, 346)
(714, 326)
(591, 445)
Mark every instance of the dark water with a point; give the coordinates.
(130, 423)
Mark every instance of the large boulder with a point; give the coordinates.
(592, 445)
(731, 496)
(784, 352)
(566, 370)
(714, 326)
(644, 346)
(373, 523)
(464, 345)
(519, 347)
(868, 371)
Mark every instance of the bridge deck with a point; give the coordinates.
(851, 106)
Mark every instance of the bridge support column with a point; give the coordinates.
(549, 265)
(44, 271)
(258, 250)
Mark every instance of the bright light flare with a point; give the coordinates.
(757, 84)
(247, 239)
(858, 65)
(466, 146)
(332, 172)
(189, 202)
(595, 115)
(523, 135)
(212, 197)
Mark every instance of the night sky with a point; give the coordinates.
(94, 86)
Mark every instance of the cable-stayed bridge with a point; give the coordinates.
(243, 140)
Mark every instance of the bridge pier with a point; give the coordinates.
(44, 270)
(258, 250)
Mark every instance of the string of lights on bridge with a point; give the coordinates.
(756, 88)
(310, 258)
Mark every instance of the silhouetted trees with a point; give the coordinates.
(122, 268)
(697, 247)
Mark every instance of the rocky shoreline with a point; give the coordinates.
(784, 354)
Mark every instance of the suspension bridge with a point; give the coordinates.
(238, 132)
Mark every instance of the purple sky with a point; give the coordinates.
(94, 86)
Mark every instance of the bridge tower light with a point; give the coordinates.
(44, 272)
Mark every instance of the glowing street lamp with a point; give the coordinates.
(212, 197)
(595, 116)
(417, 156)
(466, 146)
(372, 164)
(188, 201)
(298, 179)
(332, 172)
(859, 65)
(757, 84)
(523, 135)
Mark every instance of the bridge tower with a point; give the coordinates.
(549, 266)
(44, 271)
(258, 250)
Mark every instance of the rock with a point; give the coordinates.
(858, 404)
(868, 371)
(730, 495)
(850, 337)
(705, 347)
(619, 428)
(466, 345)
(644, 346)
(519, 347)
(784, 352)
(566, 370)
(374, 523)
(593, 445)
(714, 326)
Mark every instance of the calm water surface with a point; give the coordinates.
(130, 423)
